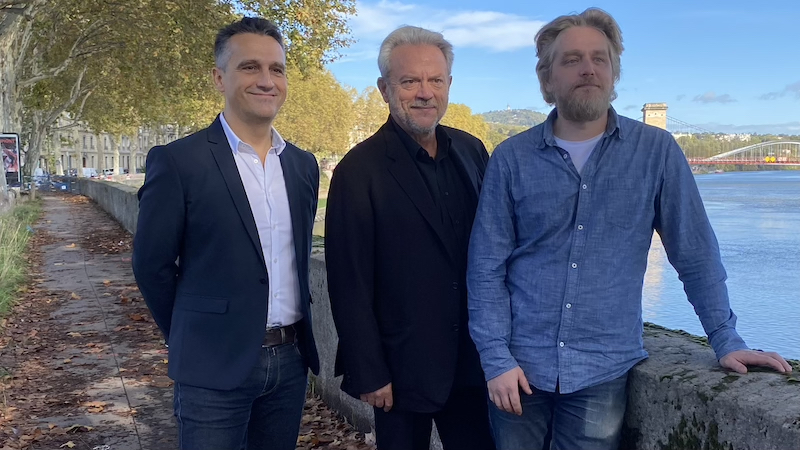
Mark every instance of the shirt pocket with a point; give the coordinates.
(623, 203)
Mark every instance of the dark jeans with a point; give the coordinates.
(590, 419)
(463, 424)
(263, 413)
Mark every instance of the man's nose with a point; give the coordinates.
(265, 80)
(587, 67)
(425, 91)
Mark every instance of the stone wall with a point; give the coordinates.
(678, 399)
(117, 199)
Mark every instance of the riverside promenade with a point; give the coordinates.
(82, 365)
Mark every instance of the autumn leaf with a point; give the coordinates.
(68, 444)
(137, 317)
(75, 296)
(71, 245)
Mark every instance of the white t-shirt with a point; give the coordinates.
(579, 151)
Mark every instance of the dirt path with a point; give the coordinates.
(82, 364)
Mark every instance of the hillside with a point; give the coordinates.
(519, 117)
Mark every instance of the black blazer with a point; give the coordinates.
(395, 283)
(211, 304)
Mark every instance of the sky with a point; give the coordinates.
(725, 66)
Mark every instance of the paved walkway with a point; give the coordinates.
(82, 364)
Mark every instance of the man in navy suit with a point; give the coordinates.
(221, 256)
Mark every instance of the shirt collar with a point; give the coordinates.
(278, 144)
(549, 139)
(443, 141)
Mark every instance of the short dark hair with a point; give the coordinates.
(255, 25)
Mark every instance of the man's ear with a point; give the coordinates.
(383, 87)
(216, 77)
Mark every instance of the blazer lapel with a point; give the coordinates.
(223, 155)
(293, 177)
(405, 172)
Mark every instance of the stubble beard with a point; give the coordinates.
(406, 121)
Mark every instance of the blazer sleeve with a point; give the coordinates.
(349, 256)
(159, 233)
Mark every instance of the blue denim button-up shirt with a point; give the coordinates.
(557, 258)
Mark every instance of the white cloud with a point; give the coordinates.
(490, 30)
(711, 97)
(791, 89)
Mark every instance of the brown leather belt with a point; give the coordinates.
(279, 336)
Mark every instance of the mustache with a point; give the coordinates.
(422, 104)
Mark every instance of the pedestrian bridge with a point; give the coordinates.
(771, 153)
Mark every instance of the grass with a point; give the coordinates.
(14, 237)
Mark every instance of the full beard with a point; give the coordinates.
(583, 108)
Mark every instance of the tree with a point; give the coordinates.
(370, 111)
(460, 116)
(318, 114)
(116, 66)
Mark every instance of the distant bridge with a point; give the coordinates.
(771, 153)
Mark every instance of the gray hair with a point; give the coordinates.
(409, 35)
(546, 38)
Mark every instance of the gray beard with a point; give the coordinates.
(577, 109)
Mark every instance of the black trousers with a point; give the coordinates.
(463, 424)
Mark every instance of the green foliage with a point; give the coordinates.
(371, 112)
(14, 237)
(460, 116)
(318, 114)
(520, 117)
(116, 66)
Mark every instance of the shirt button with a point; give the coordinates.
(574, 265)
(561, 344)
(585, 187)
(580, 227)
(275, 295)
(569, 305)
(255, 161)
(275, 260)
(566, 155)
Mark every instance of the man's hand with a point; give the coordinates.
(740, 359)
(382, 398)
(504, 390)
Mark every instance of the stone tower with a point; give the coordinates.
(655, 114)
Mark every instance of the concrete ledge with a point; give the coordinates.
(116, 199)
(678, 399)
(681, 399)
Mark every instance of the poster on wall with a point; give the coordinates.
(9, 147)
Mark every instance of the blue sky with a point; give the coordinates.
(728, 66)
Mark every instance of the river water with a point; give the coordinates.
(756, 216)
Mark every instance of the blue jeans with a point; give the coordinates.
(589, 419)
(263, 413)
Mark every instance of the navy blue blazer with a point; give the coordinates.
(198, 261)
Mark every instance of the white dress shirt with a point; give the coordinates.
(266, 193)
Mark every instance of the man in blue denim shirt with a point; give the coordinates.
(559, 250)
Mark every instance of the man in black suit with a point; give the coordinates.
(399, 215)
(221, 256)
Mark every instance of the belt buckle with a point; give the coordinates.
(283, 335)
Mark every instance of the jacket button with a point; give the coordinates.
(455, 286)
(455, 327)
(263, 281)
